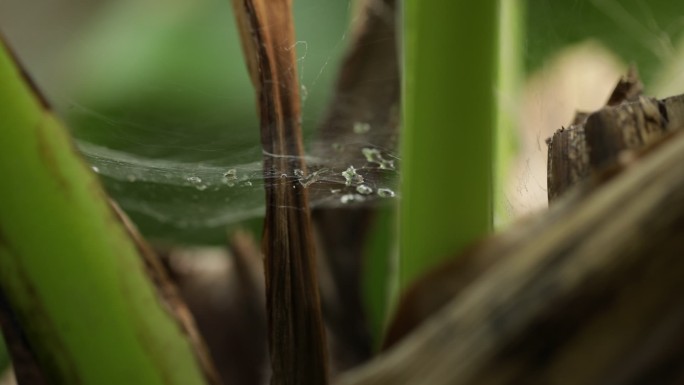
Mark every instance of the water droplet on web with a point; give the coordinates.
(373, 155)
(94, 168)
(385, 193)
(370, 154)
(248, 184)
(230, 177)
(351, 177)
(350, 198)
(232, 173)
(364, 189)
(361, 127)
(307, 180)
(283, 176)
(335, 190)
(197, 182)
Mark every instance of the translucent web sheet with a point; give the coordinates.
(203, 195)
(160, 104)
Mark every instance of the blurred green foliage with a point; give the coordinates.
(168, 82)
(644, 32)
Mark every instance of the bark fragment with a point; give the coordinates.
(629, 123)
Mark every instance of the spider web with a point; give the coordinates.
(160, 104)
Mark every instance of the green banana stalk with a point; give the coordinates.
(70, 271)
(450, 51)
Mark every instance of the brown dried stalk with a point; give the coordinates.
(296, 335)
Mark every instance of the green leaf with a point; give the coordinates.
(69, 269)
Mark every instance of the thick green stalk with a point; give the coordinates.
(72, 275)
(510, 77)
(449, 108)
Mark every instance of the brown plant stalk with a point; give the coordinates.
(296, 335)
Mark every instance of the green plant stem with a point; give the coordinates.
(379, 271)
(510, 77)
(71, 273)
(449, 107)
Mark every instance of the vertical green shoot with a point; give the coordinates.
(450, 51)
(510, 75)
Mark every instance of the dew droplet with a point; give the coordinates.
(373, 155)
(197, 182)
(248, 184)
(283, 176)
(229, 177)
(351, 177)
(385, 193)
(350, 198)
(307, 180)
(361, 127)
(364, 189)
(369, 153)
(94, 168)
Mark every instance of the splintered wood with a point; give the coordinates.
(296, 335)
(628, 125)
